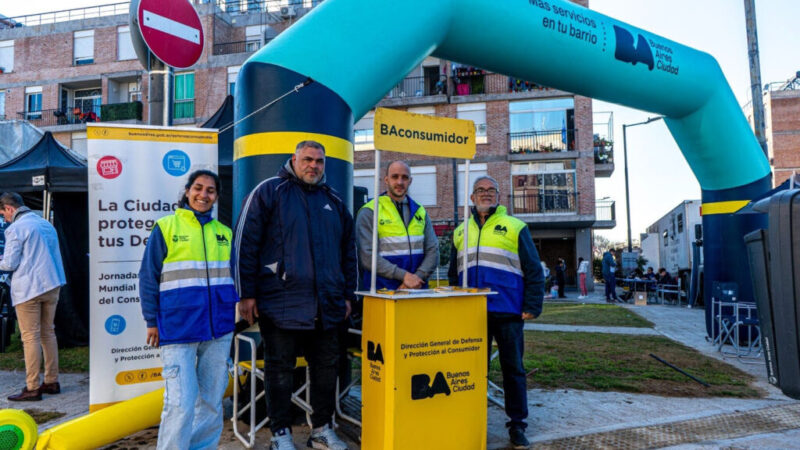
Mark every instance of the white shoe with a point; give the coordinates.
(282, 440)
(325, 438)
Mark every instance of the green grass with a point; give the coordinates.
(590, 314)
(70, 360)
(41, 417)
(621, 363)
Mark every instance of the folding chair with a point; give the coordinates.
(352, 353)
(743, 317)
(255, 367)
(495, 393)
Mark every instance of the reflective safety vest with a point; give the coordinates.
(493, 259)
(402, 246)
(197, 298)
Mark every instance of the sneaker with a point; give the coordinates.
(282, 440)
(326, 439)
(517, 437)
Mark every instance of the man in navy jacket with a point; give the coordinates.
(295, 267)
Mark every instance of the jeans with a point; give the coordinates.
(582, 282)
(281, 349)
(511, 344)
(611, 287)
(195, 376)
(38, 335)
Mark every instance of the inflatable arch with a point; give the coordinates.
(355, 51)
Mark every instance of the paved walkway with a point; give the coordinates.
(572, 418)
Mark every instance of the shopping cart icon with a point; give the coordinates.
(177, 163)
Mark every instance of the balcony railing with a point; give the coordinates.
(418, 87)
(519, 85)
(543, 201)
(259, 6)
(603, 151)
(65, 15)
(53, 117)
(605, 210)
(228, 48)
(542, 141)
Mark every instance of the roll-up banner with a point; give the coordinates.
(136, 176)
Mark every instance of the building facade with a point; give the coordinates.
(544, 146)
(782, 127)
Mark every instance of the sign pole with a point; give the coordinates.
(375, 209)
(466, 224)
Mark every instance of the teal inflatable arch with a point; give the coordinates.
(356, 51)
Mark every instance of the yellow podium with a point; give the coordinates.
(424, 371)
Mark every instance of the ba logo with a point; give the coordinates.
(385, 221)
(421, 387)
(176, 238)
(374, 352)
(500, 229)
(626, 52)
(418, 217)
(222, 240)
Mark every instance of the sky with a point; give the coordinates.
(658, 174)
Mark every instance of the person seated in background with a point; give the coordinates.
(664, 277)
(649, 275)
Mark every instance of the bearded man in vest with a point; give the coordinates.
(502, 257)
(408, 249)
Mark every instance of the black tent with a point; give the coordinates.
(221, 119)
(51, 177)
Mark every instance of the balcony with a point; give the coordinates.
(603, 157)
(230, 48)
(76, 118)
(469, 81)
(545, 141)
(605, 214)
(544, 201)
(417, 91)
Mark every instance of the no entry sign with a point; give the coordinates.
(172, 31)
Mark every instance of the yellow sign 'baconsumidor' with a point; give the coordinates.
(400, 131)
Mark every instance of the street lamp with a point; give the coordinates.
(627, 190)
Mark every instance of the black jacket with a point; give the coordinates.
(295, 253)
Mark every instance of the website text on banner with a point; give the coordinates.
(136, 175)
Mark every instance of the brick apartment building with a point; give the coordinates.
(782, 127)
(60, 70)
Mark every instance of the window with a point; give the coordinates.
(475, 171)
(2, 104)
(544, 187)
(33, 102)
(6, 56)
(363, 138)
(422, 189)
(83, 47)
(184, 96)
(87, 103)
(233, 73)
(253, 37)
(680, 223)
(477, 113)
(125, 49)
(541, 125)
(79, 143)
(135, 91)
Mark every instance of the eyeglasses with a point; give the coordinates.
(490, 191)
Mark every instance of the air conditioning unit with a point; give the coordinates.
(288, 11)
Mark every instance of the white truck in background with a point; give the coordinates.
(668, 242)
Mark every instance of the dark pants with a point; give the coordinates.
(561, 284)
(611, 287)
(511, 343)
(281, 349)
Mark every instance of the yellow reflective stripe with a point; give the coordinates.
(728, 207)
(284, 143)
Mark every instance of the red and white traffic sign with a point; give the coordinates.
(172, 31)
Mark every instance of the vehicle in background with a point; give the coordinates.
(668, 242)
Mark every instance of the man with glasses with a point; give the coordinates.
(408, 249)
(502, 257)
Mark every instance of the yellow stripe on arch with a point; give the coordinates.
(729, 207)
(284, 143)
